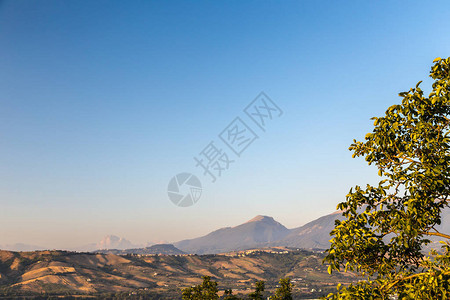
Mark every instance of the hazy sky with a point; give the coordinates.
(103, 102)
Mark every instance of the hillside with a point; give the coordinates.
(161, 277)
(313, 235)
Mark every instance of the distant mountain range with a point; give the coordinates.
(108, 242)
(258, 232)
(166, 249)
(20, 247)
(261, 231)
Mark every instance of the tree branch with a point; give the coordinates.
(443, 235)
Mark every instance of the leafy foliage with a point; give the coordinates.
(284, 291)
(258, 293)
(206, 290)
(387, 226)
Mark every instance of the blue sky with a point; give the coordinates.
(102, 102)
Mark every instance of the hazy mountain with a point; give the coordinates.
(108, 242)
(166, 249)
(21, 247)
(316, 234)
(313, 235)
(114, 242)
(259, 231)
(264, 231)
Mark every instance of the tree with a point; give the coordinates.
(284, 291)
(386, 227)
(258, 293)
(206, 291)
(228, 295)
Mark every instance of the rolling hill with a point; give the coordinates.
(130, 276)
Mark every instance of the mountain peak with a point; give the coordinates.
(259, 218)
(114, 242)
(257, 232)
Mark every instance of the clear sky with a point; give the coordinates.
(103, 102)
